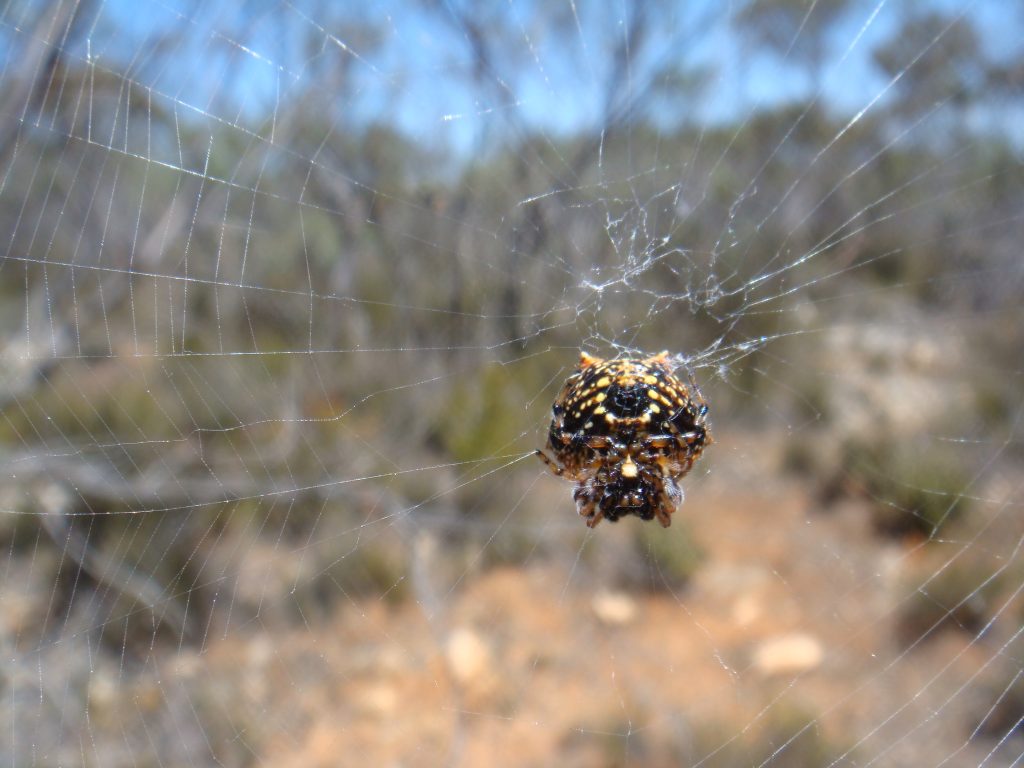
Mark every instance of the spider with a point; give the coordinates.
(626, 431)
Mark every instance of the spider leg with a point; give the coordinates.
(599, 442)
(685, 437)
(668, 500)
(586, 505)
(551, 465)
(659, 441)
(688, 437)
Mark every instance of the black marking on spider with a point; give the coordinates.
(626, 432)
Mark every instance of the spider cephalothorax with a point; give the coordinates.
(626, 431)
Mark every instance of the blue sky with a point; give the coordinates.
(237, 60)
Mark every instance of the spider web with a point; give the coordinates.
(287, 293)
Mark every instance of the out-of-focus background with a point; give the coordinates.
(288, 290)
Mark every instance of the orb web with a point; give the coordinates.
(288, 291)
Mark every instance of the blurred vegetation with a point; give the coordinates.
(789, 737)
(284, 326)
(958, 596)
(914, 489)
(669, 559)
(427, 283)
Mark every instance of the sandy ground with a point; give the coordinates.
(786, 647)
(783, 643)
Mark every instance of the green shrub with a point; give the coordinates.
(914, 488)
